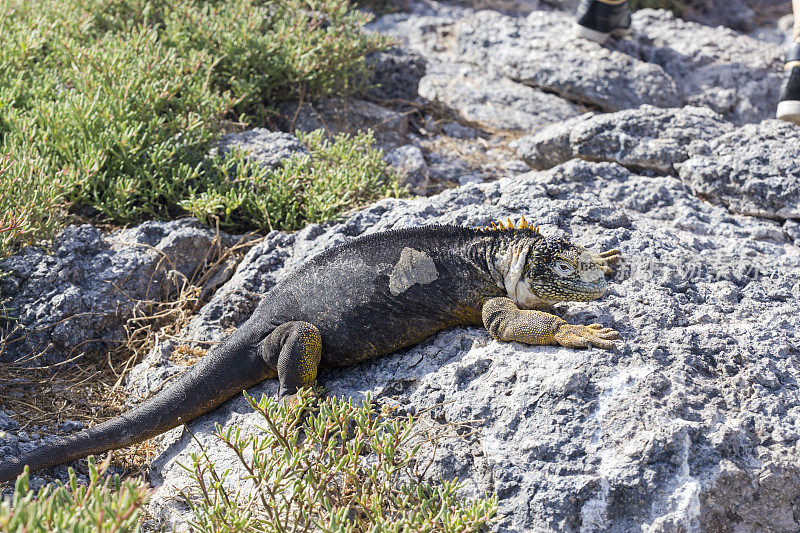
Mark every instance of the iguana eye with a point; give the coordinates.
(564, 269)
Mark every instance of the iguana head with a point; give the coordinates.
(538, 271)
(558, 270)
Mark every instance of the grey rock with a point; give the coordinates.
(445, 167)
(418, 31)
(735, 14)
(512, 7)
(753, 170)
(792, 230)
(493, 102)
(564, 5)
(6, 422)
(468, 179)
(142, 384)
(550, 146)
(691, 424)
(267, 147)
(540, 51)
(515, 166)
(644, 138)
(348, 115)
(691, 421)
(770, 34)
(666, 62)
(68, 426)
(785, 24)
(395, 74)
(732, 74)
(77, 298)
(779, 29)
(410, 166)
(460, 131)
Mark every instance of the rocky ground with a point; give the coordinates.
(661, 145)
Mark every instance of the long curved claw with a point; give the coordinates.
(609, 253)
(609, 257)
(572, 336)
(602, 331)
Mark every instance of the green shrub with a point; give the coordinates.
(338, 174)
(130, 129)
(31, 202)
(322, 465)
(117, 102)
(269, 52)
(340, 468)
(106, 505)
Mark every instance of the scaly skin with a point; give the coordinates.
(363, 299)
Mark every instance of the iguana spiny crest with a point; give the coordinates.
(523, 224)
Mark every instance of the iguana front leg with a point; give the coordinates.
(506, 322)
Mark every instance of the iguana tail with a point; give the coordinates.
(231, 368)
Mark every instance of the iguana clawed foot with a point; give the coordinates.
(575, 336)
(604, 259)
(300, 404)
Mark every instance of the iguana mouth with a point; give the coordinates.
(571, 291)
(588, 294)
(594, 289)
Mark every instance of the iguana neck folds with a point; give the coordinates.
(509, 269)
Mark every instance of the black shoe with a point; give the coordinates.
(789, 104)
(597, 19)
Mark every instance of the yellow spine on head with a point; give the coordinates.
(523, 224)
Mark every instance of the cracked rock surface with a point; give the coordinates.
(753, 170)
(732, 74)
(492, 101)
(540, 51)
(645, 138)
(667, 62)
(267, 147)
(77, 298)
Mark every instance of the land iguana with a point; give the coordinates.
(363, 299)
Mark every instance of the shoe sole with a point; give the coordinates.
(789, 110)
(597, 36)
(587, 33)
